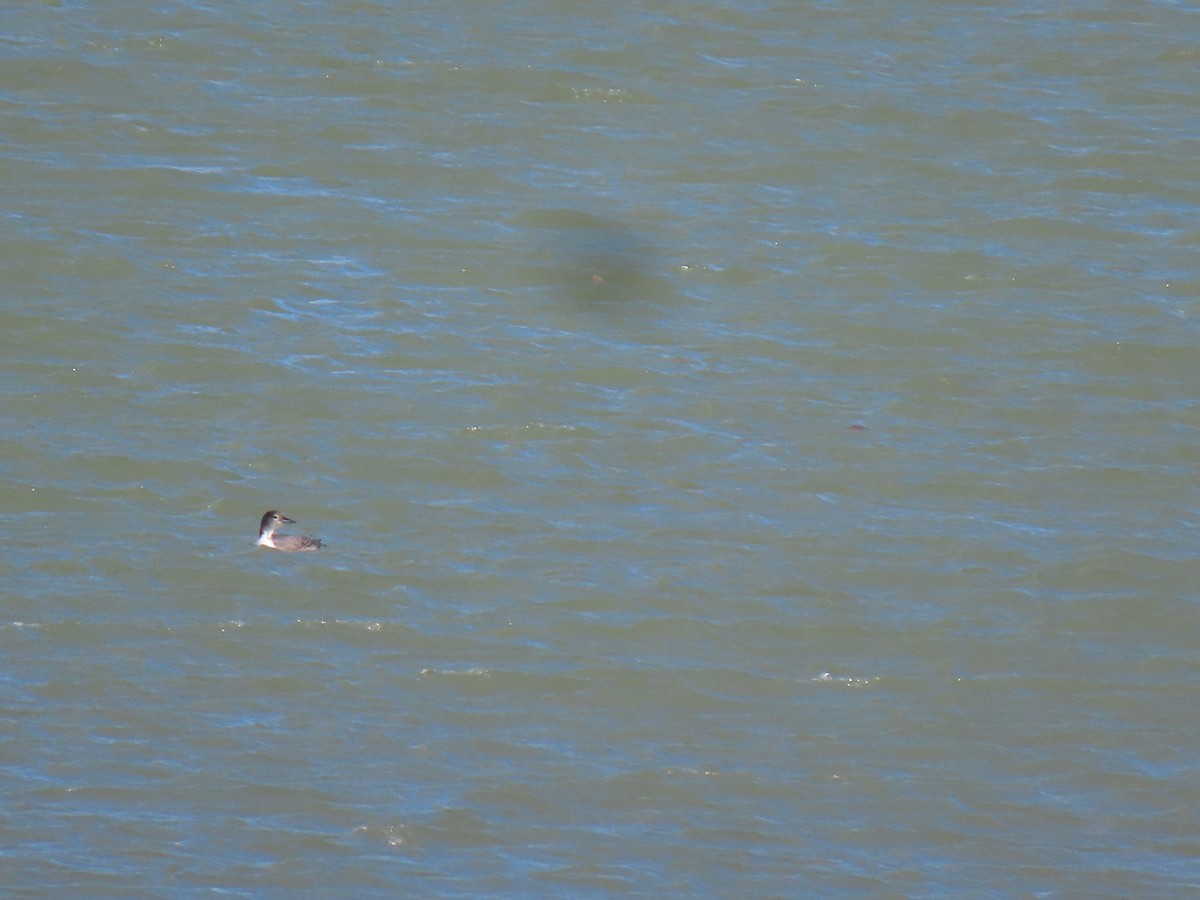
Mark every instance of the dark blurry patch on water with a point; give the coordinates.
(596, 263)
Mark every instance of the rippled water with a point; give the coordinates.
(756, 449)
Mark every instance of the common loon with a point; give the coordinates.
(267, 537)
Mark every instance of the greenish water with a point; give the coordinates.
(756, 450)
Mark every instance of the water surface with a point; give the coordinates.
(756, 449)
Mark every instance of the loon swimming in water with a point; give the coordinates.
(267, 537)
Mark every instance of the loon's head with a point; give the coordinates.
(271, 520)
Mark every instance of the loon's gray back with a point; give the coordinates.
(296, 542)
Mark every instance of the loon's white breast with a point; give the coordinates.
(292, 543)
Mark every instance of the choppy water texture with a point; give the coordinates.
(756, 447)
